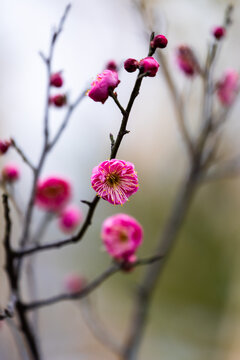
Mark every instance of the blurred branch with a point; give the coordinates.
(97, 328)
(22, 155)
(114, 268)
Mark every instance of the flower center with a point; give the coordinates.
(123, 237)
(53, 191)
(112, 179)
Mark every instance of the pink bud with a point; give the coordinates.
(160, 41)
(149, 65)
(70, 218)
(228, 87)
(131, 65)
(56, 80)
(58, 100)
(111, 65)
(4, 146)
(187, 60)
(74, 283)
(10, 173)
(219, 32)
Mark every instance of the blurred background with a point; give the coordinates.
(196, 308)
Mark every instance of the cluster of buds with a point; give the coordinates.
(53, 194)
(58, 100)
(147, 65)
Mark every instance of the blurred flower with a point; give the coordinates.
(70, 218)
(58, 100)
(74, 283)
(107, 80)
(56, 80)
(115, 180)
(53, 193)
(131, 65)
(228, 87)
(149, 65)
(219, 32)
(10, 173)
(111, 65)
(122, 235)
(187, 61)
(159, 41)
(4, 146)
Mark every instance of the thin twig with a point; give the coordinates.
(22, 155)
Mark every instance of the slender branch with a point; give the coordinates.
(114, 268)
(97, 328)
(22, 155)
(65, 122)
(115, 98)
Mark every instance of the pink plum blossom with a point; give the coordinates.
(70, 218)
(228, 87)
(122, 235)
(186, 60)
(10, 172)
(74, 283)
(115, 180)
(149, 65)
(107, 80)
(53, 193)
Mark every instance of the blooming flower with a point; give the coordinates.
(107, 80)
(149, 65)
(186, 60)
(122, 235)
(58, 100)
(53, 193)
(131, 65)
(228, 87)
(74, 283)
(56, 80)
(4, 146)
(70, 218)
(10, 172)
(115, 180)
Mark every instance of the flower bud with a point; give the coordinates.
(73, 283)
(187, 60)
(219, 32)
(70, 218)
(111, 65)
(56, 80)
(149, 65)
(131, 65)
(58, 100)
(4, 146)
(10, 173)
(159, 41)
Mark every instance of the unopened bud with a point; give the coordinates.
(131, 65)
(159, 41)
(219, 32)
(56, 80)
(58, 100)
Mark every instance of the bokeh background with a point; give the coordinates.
(195, 312)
